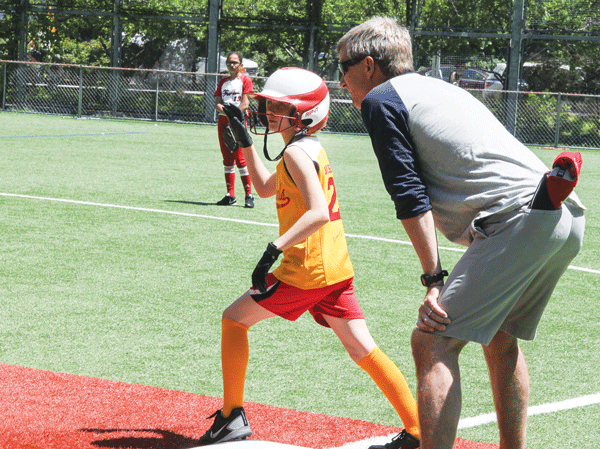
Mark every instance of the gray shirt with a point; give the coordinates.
(440, 148)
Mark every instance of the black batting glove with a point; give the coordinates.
(238, 125)
(259, 275)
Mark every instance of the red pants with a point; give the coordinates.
(229, 158)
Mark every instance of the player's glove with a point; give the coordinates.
(229, 140)
(259, 275)
(238, 125)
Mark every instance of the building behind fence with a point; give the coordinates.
(544, 119)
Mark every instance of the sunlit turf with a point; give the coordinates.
(136, 294)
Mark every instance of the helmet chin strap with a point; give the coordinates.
(299, 135)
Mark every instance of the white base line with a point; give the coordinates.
(254, 444)
(141, 209)
(467, 423)
(256, 223)
(567, 404)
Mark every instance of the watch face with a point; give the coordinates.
(427, 280)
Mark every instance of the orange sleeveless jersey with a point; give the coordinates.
(322, 259)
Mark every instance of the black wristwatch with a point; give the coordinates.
(427, 279)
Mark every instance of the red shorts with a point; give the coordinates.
(289, 302)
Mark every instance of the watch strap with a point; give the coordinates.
(430, 279)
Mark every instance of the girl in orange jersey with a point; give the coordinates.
(315, 274)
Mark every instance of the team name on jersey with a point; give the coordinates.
(282, 199)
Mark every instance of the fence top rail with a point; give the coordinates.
(6, 61)
(564, 94)
(54, 64)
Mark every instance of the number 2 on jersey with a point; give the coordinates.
(334, 208)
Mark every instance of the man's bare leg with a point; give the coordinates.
(439, 395)
(510, 386)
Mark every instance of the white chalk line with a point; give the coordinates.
(552, 407)
(235, 220)
(488, 418)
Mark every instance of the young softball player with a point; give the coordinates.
(315, 274)
(233, 90)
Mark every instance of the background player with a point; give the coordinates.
(233, 90)
(316, 274)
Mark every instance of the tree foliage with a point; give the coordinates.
(563, 65)
(278, 33)
(462, 15)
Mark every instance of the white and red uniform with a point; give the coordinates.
(231, 92)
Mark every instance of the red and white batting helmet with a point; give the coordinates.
(304, 90)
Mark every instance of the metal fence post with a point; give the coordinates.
(4, 86)
(514, 61)
(113, 92)
(212, 60)
(156, 103)
(557, 129)
(80, 95)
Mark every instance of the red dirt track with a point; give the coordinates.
(47, 410)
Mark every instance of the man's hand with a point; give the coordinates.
(259, 276)
(431, 316)
(238, 125)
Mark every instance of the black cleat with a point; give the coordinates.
(249, 202)
(234, 427)
(227, 200)
(403, 440)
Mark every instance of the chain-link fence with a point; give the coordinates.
(104, 92)
(546, 119)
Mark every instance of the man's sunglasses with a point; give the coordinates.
(345, 65)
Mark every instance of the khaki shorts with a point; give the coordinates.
(506, 277)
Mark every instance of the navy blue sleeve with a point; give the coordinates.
(386, 119)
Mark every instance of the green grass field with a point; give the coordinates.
(134, 293)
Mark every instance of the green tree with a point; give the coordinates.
(483, 16)
(276, 33)
(563, 65)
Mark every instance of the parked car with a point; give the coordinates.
(470, 79)
(549, 76)
(500, 71)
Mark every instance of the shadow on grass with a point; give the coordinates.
(195, 203)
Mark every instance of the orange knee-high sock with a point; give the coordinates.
(392, 383)
(234, 360)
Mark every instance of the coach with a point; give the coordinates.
(449, 164)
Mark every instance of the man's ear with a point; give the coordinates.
(371, 66)
(374, 72)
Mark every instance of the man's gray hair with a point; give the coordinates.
(384, 40)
